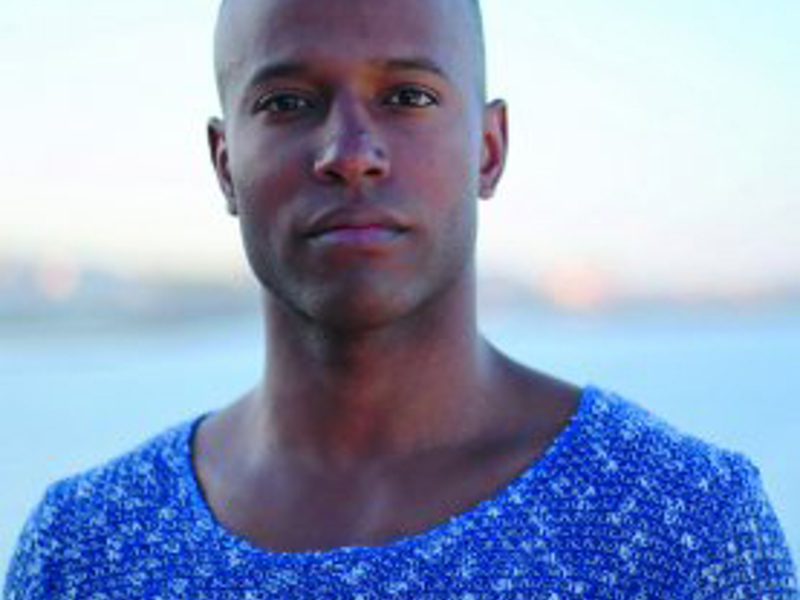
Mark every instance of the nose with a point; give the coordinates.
(352, 153)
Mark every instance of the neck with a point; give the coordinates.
(346, 397)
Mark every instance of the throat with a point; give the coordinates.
(393, 404)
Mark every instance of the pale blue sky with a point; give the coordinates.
(654, 143)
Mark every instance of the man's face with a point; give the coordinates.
(355, 145)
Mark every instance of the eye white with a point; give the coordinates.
(412, 97)
(283, 102)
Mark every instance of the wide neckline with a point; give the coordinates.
(447, 532)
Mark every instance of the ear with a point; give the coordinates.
(218, 146)
(494, 146)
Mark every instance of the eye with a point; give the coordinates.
(412, 97)
(283, 103)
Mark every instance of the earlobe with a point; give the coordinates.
(218, 147)
(494, 146)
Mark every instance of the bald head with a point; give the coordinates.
(243, 25)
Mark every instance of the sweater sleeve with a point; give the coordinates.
(31, 571)
(748, 557)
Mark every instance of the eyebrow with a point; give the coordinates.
(277, 71)
(413, 64)
(291, 69)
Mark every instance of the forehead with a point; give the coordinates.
(252, 32)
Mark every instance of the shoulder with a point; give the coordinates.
(669, 489)
(140, 479)
(82, 516)
(647, 452)
(647, 474)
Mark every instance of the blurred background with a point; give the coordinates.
(646, 237)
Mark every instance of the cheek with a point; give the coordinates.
(444, 189)
(449, 157)
(266, 176)
(265, 183)
(261, 165)
(456, 181)
(446, 163)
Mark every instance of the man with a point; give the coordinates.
(389, 450)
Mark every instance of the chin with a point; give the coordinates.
(364, 300)
(359, 312)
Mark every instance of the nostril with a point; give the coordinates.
(350, 156)
(333, 176)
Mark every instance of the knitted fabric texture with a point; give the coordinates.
(621, 506)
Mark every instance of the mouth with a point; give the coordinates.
(351, 228)
(357, 234)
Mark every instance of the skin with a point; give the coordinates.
(355, 144)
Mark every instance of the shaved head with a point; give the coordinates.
(235, 18)
(372, 106)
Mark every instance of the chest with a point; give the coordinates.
(291, 511)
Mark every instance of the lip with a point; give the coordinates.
(356, 227)
(368, 235)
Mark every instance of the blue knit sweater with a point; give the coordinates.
(622, 506)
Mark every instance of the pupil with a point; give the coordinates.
(412, 98)
(285, 103)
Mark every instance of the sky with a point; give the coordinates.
(654, 144)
